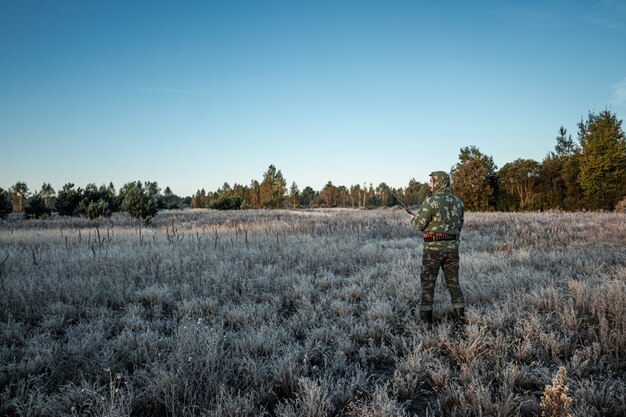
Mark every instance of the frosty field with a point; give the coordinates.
(307, 313)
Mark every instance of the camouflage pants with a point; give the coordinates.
(448, 260)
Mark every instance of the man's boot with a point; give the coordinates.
(459, 315)
(427, 317)
(459, 319)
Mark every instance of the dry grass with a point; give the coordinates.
(307, 313)
(555, 401)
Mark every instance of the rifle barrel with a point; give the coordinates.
(408, 210)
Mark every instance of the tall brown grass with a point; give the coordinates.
(307, 313)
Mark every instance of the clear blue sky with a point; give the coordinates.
(193, 94)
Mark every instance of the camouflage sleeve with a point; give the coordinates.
(423, 215)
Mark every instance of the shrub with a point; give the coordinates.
(6, 206)
(97, 209)
(97, 202)
(227, 202)
(139, 201)
(68, 200)
(36, 207)
(620, 207)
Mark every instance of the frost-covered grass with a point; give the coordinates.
(307, 313)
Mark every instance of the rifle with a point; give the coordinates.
(408, 210)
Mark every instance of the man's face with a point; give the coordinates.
(430, 183)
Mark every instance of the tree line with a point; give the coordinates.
(586, 174)
(141, 200)
(272, 192)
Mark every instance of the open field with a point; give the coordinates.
(307, 313)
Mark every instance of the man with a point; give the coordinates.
(441, 219)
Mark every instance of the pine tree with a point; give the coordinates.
(68, 200)
(242, 193)
(565, 145)
(273, 188)
(254, 199)
(200, 200)
(19, 193)
(603, 160)
(139, 200)
(550, 184)
(170, 200)
(557, 185)
(6, 206)
(343, 196)
(412, 192)
(36, 207)
(355, 195)
(294, 195)
(570, 174)
(328, 196)
(307, 196)
(47, 192)
(387, 200)
(96, 202)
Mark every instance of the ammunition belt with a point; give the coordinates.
(435, 237)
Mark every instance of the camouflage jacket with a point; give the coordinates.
(442, 212)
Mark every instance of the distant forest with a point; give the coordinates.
(584, 174)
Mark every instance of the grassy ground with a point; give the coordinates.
(307, 313)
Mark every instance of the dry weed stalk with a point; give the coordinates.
(555, 401)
